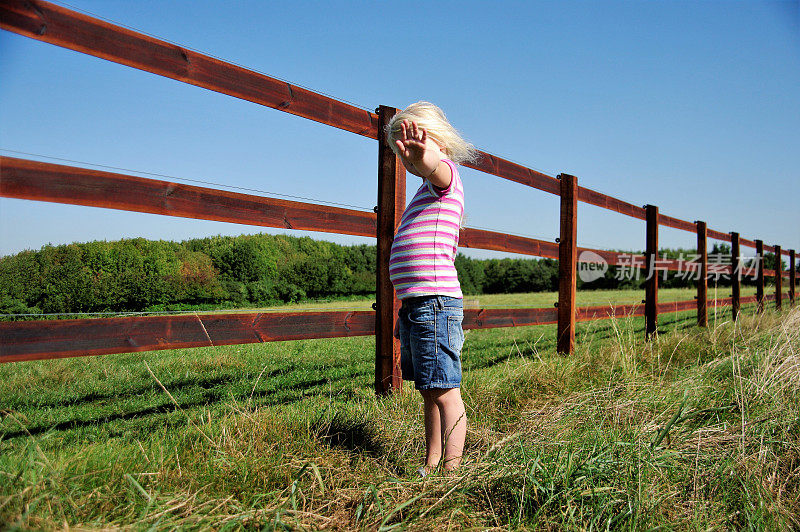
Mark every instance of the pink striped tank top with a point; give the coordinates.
(423, 252)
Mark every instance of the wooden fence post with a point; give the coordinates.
(736, 270)
(391, 203)
(567, 263)
(702, 281)
(778, 278)
(651, 282)
(759, 276)
(792, 276)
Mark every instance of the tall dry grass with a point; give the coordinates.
(698, 429)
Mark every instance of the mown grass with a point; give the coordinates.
(699, 429)
(540, 299)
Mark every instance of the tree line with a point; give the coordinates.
(230, 272)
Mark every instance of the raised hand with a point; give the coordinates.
(412, 142)
(418, 150)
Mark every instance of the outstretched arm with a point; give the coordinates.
(419, 152)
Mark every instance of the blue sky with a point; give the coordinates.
(691, 106)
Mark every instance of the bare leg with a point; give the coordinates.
(453, 422)
(433, 431)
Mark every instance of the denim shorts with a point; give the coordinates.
(431, 338)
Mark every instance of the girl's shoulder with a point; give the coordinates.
(455, 185)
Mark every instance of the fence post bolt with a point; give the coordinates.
(651, 281)
(567, 263)
(391, 202)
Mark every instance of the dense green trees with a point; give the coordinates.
(495, 276)
(223, 271)
(138, 274)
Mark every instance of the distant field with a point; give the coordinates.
(525, 300)
(292, 433)
(537, 299)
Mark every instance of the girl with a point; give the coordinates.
(422, 270)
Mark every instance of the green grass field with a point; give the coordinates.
(541, 299)
(699, 429)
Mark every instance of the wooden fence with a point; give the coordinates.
(33, 180)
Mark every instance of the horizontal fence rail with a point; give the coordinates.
(39, 181)
(33, 180)
(33, 340)
(46, 339)
(607, 202)
(491, 164)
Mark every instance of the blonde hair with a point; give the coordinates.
(433, 120)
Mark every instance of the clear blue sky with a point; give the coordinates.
(691, 106)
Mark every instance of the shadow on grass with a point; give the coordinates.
(356, 436)
(174, 385)
(215, 391)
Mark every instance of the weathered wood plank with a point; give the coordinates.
(482, 239)
(778, 278)
(702, 280)
(49, 339)
(760, 275)
(34, 340)
(34, 180)
(567, 261)
(611, 203)
(676, 223)
(718, 235)
(490, 318)
(792, 276)
(735, 277)
(677, 306)
(491, 164)
(391, 203)
(748, 243)
(651, 279)
(609, 311)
